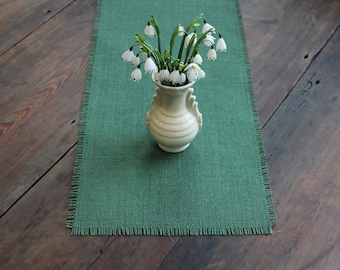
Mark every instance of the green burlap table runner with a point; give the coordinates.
(123, 183)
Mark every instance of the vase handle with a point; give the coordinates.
(154, 105)
(192, 106)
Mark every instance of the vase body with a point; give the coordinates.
(173, 119)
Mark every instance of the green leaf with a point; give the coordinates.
(193, 22)
(191, 42)
(155, 24)
(173, 38)
(203, 36)
(187, 29)
(158, 31)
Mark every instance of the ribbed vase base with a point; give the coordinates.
(173, 150)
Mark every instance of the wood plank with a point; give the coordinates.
(21, 17)
(283, 37)
(27, 117)
(33, 233)
(42, 81)
(302, 142)
(135, 252)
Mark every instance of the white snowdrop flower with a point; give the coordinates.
(156, 76)
(164, 75)
(192, 66)
(198, 59)
(192, 76)
(201, 74)
(135, 61)
(136, 75)
(181, 31)
(144, 56)
(188, 38)
(192, 71)
(128, 55)
(182, 78)
(221, 45)
(149, 30)
(212, 54)
(209, 40)
(150, 65)
(174, 76)
(207, 26)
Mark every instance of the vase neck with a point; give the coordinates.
(173, 101)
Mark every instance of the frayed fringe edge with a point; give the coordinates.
(82, 123)
(264, 168)
(171, 231)
(142, 231)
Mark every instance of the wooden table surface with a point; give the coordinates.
(294, 49)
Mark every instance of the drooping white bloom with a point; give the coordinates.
(192, 76)
(156, 76)
(221, 45)
(135, 60)
(212, 54)
(198, 59)
(181, 31)
(150, 65)
(174, 76)
(192, 71)
(192, 66)
(164, 75)
(209, 40)
(149, 30)
(136, 75)
(128, 55)
(207, 26)
(144, 56)
(188, 38)
(182, 78)
(201, 74)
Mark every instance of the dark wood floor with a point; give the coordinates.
(294, 49)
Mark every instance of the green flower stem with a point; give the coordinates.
(203, 36)
(194, 52)
(158, 31)
(146, 45)
(160, 60)
(193, 22)
(191, 42)
(173, 38)
(181, 48)
(187, 29)
(167, 60)
(199, 41)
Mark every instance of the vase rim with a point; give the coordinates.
(172, 87)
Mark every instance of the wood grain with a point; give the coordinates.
(135, 252)
(42, 81)
(294, 54)
(21, 17)
(283, 37)
(33, 233)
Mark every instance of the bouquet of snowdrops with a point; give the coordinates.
(174, 67)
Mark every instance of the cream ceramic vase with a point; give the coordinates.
(173, 119)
